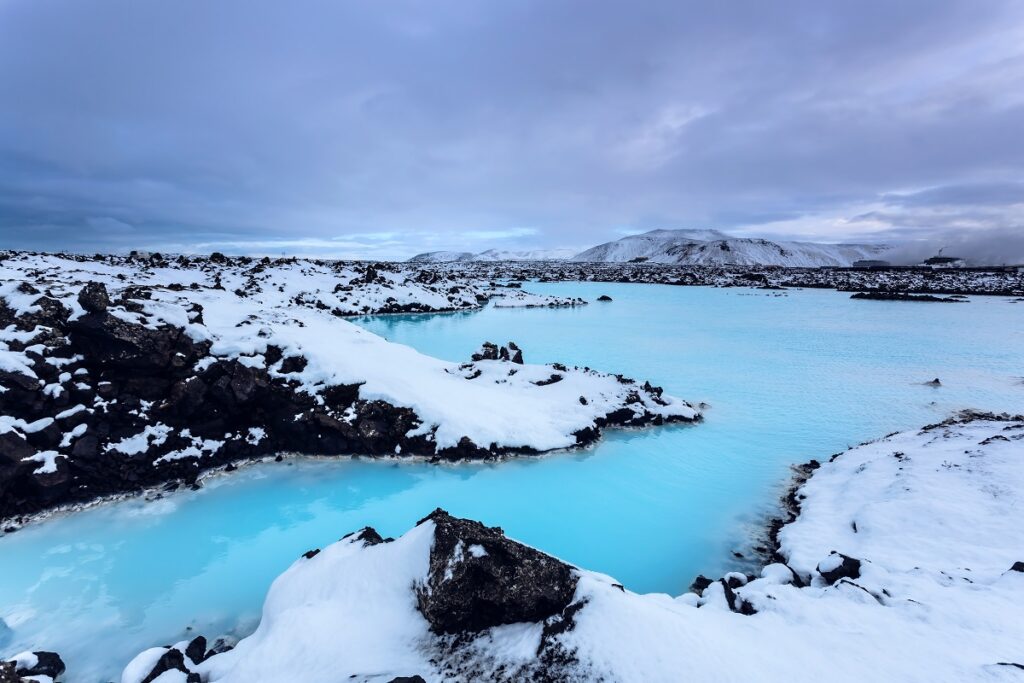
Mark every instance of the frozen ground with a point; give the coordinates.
(117, 373)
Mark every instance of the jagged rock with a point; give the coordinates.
(516, 353)
(700, 584)
(293, 364)
(478, 578)
(488, 351)
(604, 297)
(94, 298)
(196, 650)
(47, 664)
(171, 660)
(1018, 566)
(7, 673)
(407, 679)
(838, 566)
(109, 341)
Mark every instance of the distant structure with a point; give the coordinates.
(940, 261)
(871, 263)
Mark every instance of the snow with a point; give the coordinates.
(24, 660)
(517, 298)
(939, 519)
(48, 460)
(142, 664)
(139, 443)
(297, 305)
(352, 601)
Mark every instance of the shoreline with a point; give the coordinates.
(585, 622)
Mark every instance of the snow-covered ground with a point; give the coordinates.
(899, 567)
(517, 298)
(194, 363)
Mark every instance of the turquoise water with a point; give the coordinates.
(788, 378)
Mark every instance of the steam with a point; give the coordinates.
(984, 247)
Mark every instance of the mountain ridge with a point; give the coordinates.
(692, 247)
(683, 247)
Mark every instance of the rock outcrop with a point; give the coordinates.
(478, 578)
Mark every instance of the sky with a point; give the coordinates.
(384, 129)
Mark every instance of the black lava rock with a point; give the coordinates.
(604, 297)
(196, 650)
(700, 584)
(94, 298)
(172, 660)
(478, 578)
(7, 673)
(848, 568)
(47, 664)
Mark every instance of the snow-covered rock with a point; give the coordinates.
(31, 667)
(119, 374)
(517, 298)
(935, 519)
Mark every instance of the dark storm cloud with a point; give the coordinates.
(383, 129)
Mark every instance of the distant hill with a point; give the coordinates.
(442, 256)
(494, 255)
(711, 247)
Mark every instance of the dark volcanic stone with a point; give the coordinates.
(196, 650)
(478, 578)
(700, 584)
(47, 664)
(1018, 566)
(94, 298)
(604, 297)
(407, 679)
(849, 568)
(488, 351)
(7, 674)
(172, 660)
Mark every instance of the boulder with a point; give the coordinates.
(46, 664)
(488, 351)
(93, 297)
(838, 566)
(478, 578)
(171, 660)
(515, 352)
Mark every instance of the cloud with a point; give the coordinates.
(259, 125)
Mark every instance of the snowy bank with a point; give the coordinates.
(903, 564)
(117, 374)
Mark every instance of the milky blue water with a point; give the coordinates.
(788, 378)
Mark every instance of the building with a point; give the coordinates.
(871, 263)
(944, 262)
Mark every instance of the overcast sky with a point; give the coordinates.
(380, 129)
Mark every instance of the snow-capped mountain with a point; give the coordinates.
(495, 255)
(711, 247)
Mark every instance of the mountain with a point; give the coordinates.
(494, 255)
(711, 247)
(442, 256)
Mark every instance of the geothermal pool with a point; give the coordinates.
(789, 376)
